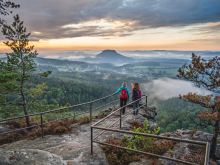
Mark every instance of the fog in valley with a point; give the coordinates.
(166, 88)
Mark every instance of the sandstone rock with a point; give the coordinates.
(73, 148)
(140, 118)
(143, 162)
(148, 112)
(182, 149)
(3, 129)
(202, 136)
(29, 157)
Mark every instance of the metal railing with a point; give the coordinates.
(105, 129)
(91, 108)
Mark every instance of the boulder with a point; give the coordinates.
(29, 157)
(184, 149)
(142, 162)
(3, 129)
(148, 112)
(202, 136)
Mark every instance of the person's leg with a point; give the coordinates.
(134, 106)
(123, 110)
(121, 104)
(125, 103)
(137, 107)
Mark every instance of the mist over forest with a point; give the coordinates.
(75, 80)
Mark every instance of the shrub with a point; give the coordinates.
(137, 142)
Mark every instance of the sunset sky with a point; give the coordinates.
(122, 24)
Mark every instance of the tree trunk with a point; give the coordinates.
(24, 104)
(214, 140)
(24, 101)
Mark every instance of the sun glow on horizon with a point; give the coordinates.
(167, 38)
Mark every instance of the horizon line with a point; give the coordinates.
(180, 50)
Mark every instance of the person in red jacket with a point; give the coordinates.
(124, 95)
(136, 94)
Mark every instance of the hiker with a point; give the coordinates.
(136, 94)
(124, 95)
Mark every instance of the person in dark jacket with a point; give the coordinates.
(136, 94)
(124, 95)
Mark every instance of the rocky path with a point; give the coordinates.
(71, 149)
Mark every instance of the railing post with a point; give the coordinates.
(146, 101)
(90, 112)
(206, 162)
(120, 118)
(41, 124)
(91, 140)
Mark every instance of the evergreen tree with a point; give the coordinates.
(20, 62)
(206, 74)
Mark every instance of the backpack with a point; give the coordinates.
(123, 95)
(136, 94)
(139, 93)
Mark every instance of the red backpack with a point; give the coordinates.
(123, 95)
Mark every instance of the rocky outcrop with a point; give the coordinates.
(149, 112)
(145, 113)
(186, 151)
(29, 157)
(142, 162)
(183, 151)
(190, 134)
(72, 149)
(3, 129)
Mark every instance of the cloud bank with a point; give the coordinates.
(50, 18)
(166, 88)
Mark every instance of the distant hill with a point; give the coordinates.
(70, 66)
(112, 55)
(48, 61)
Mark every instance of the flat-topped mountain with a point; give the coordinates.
(111, 54)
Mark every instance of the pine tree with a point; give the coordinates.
(206, 74)
(20, 62)
(5, 8)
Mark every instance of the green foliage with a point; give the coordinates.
(19, 66)
(205, 73)
(139, 142)
(37, 91)
(7, 78)
(45, 74)
(21, 59)
(176, 114)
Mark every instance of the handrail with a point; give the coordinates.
(114, 130)
(153, 136)
(41, 114)
(117, 111)
(147, 153)
(58, 109)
